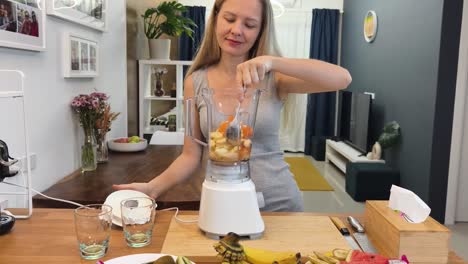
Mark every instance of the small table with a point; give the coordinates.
(125, 167)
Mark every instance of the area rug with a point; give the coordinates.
(308, 178)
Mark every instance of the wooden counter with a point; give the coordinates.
(125, 167)
(49, 237)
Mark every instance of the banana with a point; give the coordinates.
(348, 257)
(262, 256)
(340, 254)
(183, 260)
(315, 260)
(327, 259)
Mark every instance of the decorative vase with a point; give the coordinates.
(102, 150)
(88, 151)
(160, 48)
(158, 87)
(376, 153)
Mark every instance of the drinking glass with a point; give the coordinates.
(138, 215)
(93, 224)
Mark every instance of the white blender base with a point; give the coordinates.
(227, 207)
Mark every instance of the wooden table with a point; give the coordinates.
(125, 167)
(49, 237)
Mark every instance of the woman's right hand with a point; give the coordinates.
(143, 187)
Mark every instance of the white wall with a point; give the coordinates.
(54, 134)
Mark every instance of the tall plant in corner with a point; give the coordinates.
(165, 19)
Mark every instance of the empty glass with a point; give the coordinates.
(138, 215)
(93, 224)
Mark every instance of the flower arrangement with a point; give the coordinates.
(95, 117)
(103, 123)
(159, 72)
(88, 108)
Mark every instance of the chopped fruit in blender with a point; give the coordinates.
(222, 150)
(247, 131)
(216, 135)
(223, 126)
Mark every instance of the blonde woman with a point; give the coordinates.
(239, 48)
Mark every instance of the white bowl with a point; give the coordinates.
(114, 200)
(127, 147)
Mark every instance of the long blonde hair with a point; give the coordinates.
(209, 52)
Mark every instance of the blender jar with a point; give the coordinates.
(228, 160)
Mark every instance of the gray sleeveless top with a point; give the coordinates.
(268, 170)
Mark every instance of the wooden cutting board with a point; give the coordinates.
(299, 233)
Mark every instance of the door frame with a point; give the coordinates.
(458, 122)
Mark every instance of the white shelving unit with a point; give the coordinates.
(340, 153)
(146, 97)
(15, 134)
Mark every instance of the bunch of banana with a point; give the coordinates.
(262, 256)
(332, 257)
(231, 251)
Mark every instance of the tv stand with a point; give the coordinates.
(340, 153)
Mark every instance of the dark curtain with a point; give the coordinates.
(320, 116)
(187, 46)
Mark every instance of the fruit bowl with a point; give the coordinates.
(115, 145)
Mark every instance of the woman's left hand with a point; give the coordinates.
(252, 72)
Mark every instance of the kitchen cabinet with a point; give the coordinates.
(148, 101)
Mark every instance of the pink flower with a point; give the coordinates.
(100, 96)
(95, 103)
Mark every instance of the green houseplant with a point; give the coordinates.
(390, 136)
(165, 19)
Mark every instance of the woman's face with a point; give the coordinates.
(238, 25)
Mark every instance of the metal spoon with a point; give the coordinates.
(233, 134)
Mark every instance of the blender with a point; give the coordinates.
(228, 199)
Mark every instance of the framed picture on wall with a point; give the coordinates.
(22, 24)
(89, 13)
(81, 57)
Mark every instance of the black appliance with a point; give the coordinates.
(6, 221)
(5, 163)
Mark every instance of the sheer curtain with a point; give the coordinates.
(293, 33)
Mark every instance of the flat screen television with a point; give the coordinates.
(353, 119)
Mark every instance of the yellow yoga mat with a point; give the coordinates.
(308, 178)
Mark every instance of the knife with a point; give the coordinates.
(360, 236)
(345, 232)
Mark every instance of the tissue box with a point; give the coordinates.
(426, 242)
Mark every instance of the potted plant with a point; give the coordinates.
(165, 19)
(390, 136)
